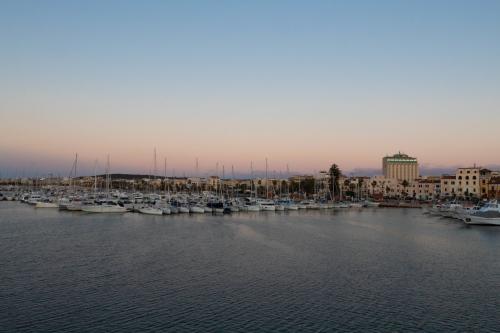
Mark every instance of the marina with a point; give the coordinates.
(367, 269)
(249, 166)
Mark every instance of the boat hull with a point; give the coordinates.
(104, 209)
(151, 211)
(471, 219)
(46, 205)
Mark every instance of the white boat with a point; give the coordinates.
(208, 209)
(253, 208)
(279, 207)
(267, 205)
(340, 205)
(183, 209)
(196, 209)
(33, 199)
(104, 208)
(151, 211)
(291, 207)
(308, 204)
(452, 210)
(74, 206)
(356, 205)
(489, 214)
(166, 210)
(46, 204)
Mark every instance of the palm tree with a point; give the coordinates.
(335, 174)
(374, 183)
(405, 185)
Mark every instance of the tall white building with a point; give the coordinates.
(401, 167)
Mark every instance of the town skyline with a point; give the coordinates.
(89, 167)
(302, 84)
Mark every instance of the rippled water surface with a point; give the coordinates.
(365, 270)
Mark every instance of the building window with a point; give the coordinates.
(468, 171)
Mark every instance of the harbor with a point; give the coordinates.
(369, 269)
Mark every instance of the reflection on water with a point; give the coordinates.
(373, 269)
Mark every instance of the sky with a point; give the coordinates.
(302, 83)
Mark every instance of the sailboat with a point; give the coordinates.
(108, 206)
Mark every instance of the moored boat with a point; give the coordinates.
(151, 211)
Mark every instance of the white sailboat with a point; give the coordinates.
(151, 211)
(109, 206)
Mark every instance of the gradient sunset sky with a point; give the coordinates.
(306, 83)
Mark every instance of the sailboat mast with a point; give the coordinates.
(267, 185)
(76, 166)
(221, 186)
(251, 179)
(165, 177)
(95, 177)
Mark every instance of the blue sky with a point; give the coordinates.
(355, 79)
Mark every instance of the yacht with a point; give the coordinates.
(183, 209)
(151, 211)
(266, 205)
(452, 210)
(34, 198)
(196, 209)
(489, 214)
(279, 207)
(251, 205)
(308, 204)
(340, 205)
(46, 204)
(104, 208)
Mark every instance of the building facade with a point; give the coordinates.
(448, 186)
(467, 182)
(400, 167)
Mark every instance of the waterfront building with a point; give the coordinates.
(427, 188)
(494, 188)
(485, 176)
(400, 166)
(448, 186)
(467, 182)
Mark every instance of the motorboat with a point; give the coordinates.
(183, 209)
(279, 207)
(46, 204)
(489, 214)
(151, 211)
(266, 205)
(104, 208)
(196, 209)
(308, 204)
